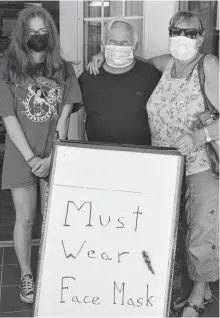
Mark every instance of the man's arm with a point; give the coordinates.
(160, 62)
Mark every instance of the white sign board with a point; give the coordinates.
(106, 206)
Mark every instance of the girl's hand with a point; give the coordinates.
(42, 168)
(96, 63)
(185, 144)
(34, 161)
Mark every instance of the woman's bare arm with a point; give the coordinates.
(211, 70)
(160, 62)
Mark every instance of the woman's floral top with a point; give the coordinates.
(172, 110)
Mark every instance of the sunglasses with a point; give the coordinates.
(189, 33)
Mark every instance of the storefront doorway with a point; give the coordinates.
(80, 24)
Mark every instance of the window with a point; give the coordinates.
(208, 12)
(98, 13)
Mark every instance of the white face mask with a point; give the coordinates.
(182, 48)
(119, 56)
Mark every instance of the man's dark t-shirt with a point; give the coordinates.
(115, 104)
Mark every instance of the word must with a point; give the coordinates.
(103, 220)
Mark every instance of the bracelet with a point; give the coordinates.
(29, 160)
(207, 135)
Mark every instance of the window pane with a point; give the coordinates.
(134, 8)
(93, 9)
(92, 40)
(114, 9)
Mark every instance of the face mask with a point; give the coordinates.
(182, 48)
(38, 43)
(119, 56)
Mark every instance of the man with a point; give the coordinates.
(115, 99)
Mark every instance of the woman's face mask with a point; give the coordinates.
(38, 42)
(183, 48)
(119, 56)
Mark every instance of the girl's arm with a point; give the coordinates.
(63, 121)
(42, 168)
(17, 136)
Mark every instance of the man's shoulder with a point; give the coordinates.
(144, 67)
(83, 75)
(86, 77)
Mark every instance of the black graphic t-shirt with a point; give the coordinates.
(37, 107)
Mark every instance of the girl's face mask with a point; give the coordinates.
(183, 48)
(119, 56)
(38, 42)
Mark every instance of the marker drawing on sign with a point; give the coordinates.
(147, 261)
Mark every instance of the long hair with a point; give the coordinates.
(18, 65)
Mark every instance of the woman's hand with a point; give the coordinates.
(185, 144)
(42, 168)
(96, 63)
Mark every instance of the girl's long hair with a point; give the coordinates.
(18, 65)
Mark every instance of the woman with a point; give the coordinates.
(38, 90)
(173, 111)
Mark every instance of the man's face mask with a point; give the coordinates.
(119, 56)
(183, 48)
(38, 42)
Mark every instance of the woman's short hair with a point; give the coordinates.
(109, 26)
(186, 16)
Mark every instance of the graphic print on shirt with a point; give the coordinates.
(41, 102)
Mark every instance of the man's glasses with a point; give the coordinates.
(39, 32)
(189, 33)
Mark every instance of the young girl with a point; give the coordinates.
(38, 90)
